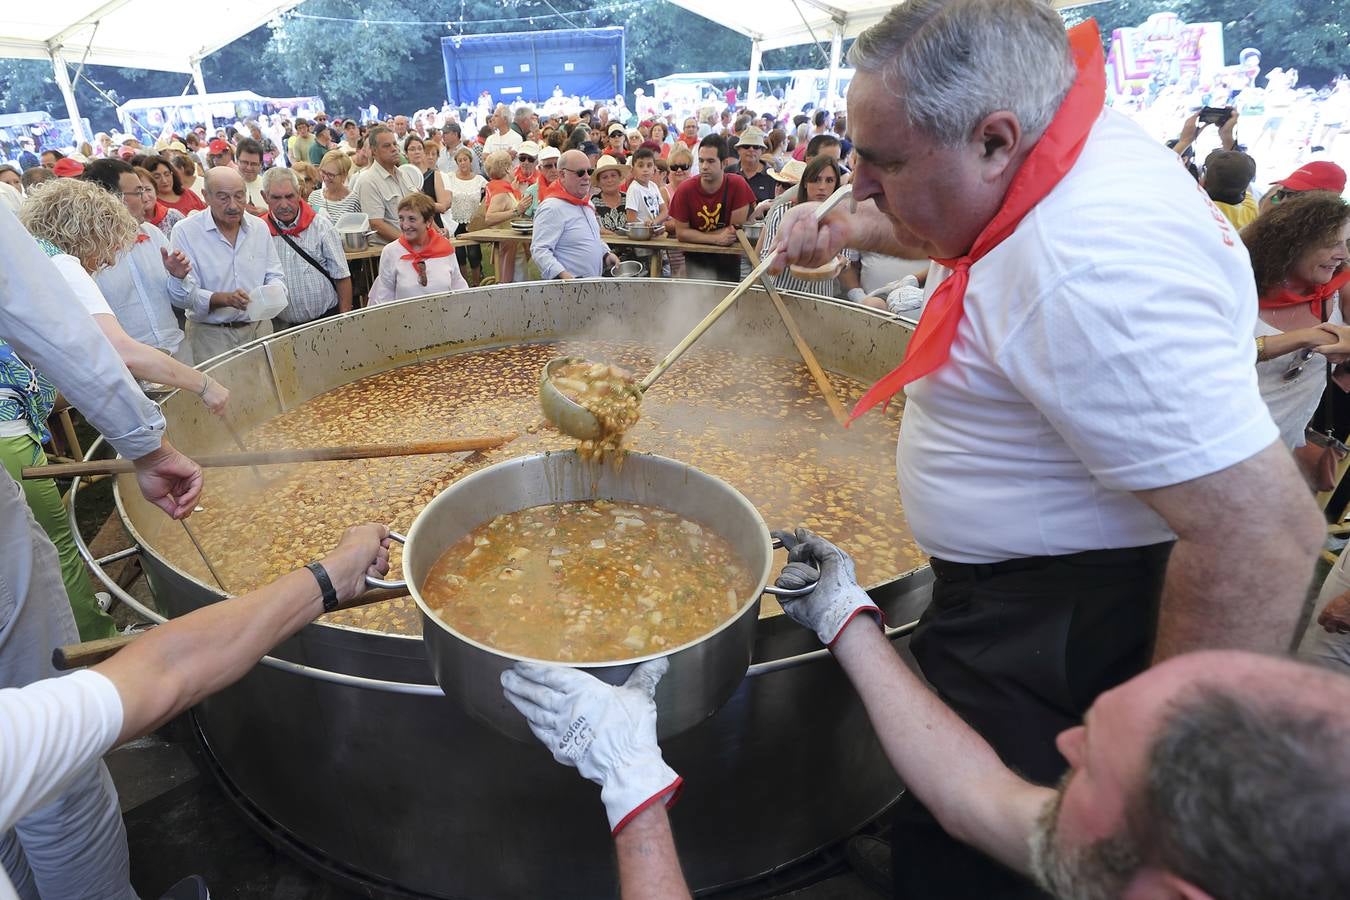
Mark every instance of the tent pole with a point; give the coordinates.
(836, 51)
(72, 108)
(756, 58)
(197, 78)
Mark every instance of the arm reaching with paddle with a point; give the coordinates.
(808, 243)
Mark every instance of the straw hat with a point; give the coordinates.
(607, 163)
(751, 137)
(792, 172)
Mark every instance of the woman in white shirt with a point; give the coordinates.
(334, 199)
(1298, 252)
(420, 262)
(466, 192)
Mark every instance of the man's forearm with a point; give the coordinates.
(649, 868)
(385, 230)
(177, 664)
(344, 292)
(949, 767)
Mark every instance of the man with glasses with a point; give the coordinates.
(548, 174)
(137, 286)
(566, 242)
(707, 209)
(231, 254)
(248, 155)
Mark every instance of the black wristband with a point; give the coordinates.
(330, 597)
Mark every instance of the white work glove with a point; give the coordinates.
(904, 295)
(837, 597)
(607, 733)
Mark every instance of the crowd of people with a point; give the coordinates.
(1109, 449)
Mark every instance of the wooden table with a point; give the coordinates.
(502, 233)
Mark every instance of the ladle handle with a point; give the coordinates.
(707, 322)
(787, 593)
(389, 584)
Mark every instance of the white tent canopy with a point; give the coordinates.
(135, 34)
(774, 24)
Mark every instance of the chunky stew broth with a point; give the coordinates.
(587, 581)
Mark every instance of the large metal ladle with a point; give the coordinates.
(573, 419)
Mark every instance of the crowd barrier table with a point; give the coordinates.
(503, 233)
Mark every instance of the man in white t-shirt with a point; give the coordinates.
(505, 137)
(1083, 443)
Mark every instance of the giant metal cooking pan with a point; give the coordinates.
(703, 672)
(342, 748)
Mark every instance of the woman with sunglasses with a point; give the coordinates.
(678, 164)
(1298, 252)
(421, 261)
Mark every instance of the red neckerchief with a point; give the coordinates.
(1315, 299)
(303, 221)
(436, 247)
(502, 187)
(157, 214)
(557, 190)
(1047, 163)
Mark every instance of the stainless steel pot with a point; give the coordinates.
(703, 673)
(753, 230)
(629, 268)
(353, 241)
(639, 231)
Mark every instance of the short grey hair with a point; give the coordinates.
(524, 112)
(1246, 798)
(280, 173)
(953, 62)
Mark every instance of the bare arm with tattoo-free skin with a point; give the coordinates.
(1247, 540)
(649, 868)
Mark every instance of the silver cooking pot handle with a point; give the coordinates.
(387, 583)
(787, 593)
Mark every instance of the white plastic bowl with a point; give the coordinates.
(266, 301)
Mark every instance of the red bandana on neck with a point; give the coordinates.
(303, 221)
(1047, 163)
(436, 247)
(556, 189)
(1315, 299)
(157, 214)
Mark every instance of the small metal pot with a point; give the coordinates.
(353, 241)
(752, 230)
(639, 231)
(703, 673)
(629, 268)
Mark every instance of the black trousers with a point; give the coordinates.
(1020, 649)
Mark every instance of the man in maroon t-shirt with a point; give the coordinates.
(705, 210)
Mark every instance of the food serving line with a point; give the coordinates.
(343, 726)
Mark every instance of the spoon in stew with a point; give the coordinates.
(573, 419)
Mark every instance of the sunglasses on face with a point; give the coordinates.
(676, 167)
(580, 173)
(525, 158)
(420, 267)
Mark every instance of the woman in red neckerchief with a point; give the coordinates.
(420, 262)
(503, 205)
(1298, 252)
(156, 212)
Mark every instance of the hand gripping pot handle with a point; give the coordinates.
(389, 583)
(788, 593)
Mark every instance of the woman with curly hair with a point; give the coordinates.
(1298, 252)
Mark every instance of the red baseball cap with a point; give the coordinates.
(1316, 176)
(217, 147)
(67, 168)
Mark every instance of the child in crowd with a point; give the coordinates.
(644, 200)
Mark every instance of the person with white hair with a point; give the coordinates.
(504, 137)
(318, 282)
(1066, 374)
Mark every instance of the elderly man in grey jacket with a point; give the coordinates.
(566, 242)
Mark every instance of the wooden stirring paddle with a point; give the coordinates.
(275, 457)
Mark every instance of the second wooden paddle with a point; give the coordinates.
(275, 457)
(808, 357)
